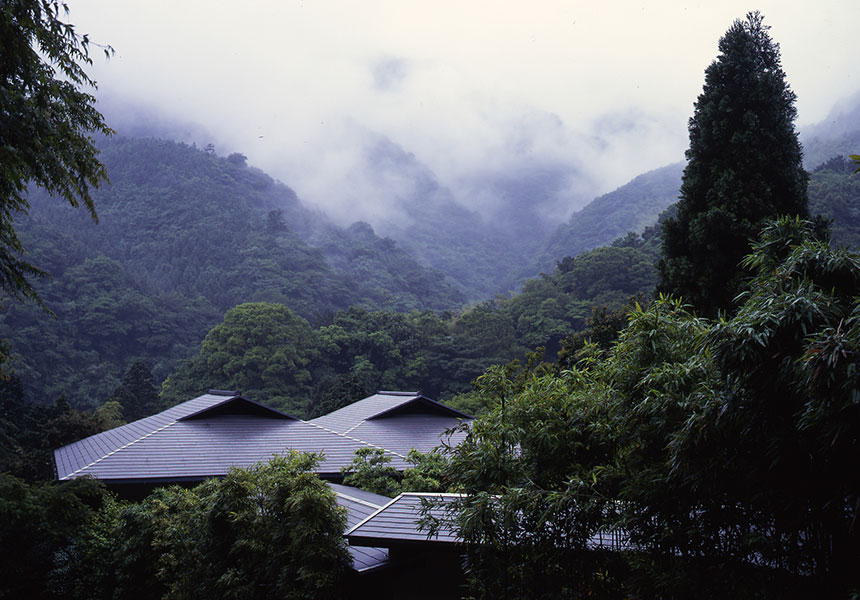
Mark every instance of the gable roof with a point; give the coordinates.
(74, 456)
(396, 421)
(236, 405)
(385, 405)
(202, 438)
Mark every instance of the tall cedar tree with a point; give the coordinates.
(744, 166)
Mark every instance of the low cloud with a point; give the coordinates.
(557, 102)
(389, 74)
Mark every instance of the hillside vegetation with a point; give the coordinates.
(183, 236)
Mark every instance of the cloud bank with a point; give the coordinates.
(566, 99)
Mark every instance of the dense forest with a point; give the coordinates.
(681, 375)
(184, 236)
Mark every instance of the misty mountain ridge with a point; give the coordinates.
(639, 203)
(185, 235)
(482, 229)
(517, 220)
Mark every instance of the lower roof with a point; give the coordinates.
(359, 505)
(402, 521)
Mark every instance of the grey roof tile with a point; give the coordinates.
(382, 405)
(359, 505)
(166, 447)
(401, 433)
(398, 522)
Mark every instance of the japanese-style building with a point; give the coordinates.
(207, 436)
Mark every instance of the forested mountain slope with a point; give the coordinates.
(638, 203)
(484, 253)
(188, 221)
(269, 353)
(632, 207)
(838, 134)
(184, 235)
(834, 191)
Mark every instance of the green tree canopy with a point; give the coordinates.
(137, 394)
(722, 450)
(273, 530)
(45, 123)
(744, 166)
(261, 349)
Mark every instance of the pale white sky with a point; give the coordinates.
(299, 86)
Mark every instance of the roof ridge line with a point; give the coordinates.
(112, 452)
(354, 426)
(359, 500)
(370, 516)
(354, 439)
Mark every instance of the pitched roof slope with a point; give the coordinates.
(398, 522)
(401, 433)
(397, 421)
(74, 456)
(201, 438)
(359, 505)
(384, 404)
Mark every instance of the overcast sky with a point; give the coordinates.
(467, 87)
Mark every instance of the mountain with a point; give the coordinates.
(834, 192)
(838, 134)
(184, 235)
(482, 253)
(639, 203)
(632, 207)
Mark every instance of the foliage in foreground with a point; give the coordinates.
(46, 121)
(38, 525)
(270, 531)
(725, 452)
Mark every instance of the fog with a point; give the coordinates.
(570, 97)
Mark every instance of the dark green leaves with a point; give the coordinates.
(45, 124)
(744, 166)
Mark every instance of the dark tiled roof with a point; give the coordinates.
(359, 505)
(396, 421)
(206, 436)
(171, 447)
(385, 405)
(401, 433)
(398, 522)
(73, 457)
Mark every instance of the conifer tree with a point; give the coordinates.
(137, 394)
(744, 167)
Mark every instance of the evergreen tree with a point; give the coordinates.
(137, 394)
(744, 166)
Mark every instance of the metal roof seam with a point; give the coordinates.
(356, 440)
(359, 501)
(101, 458)
(370, 516)
(436, 494)
(353, 427)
